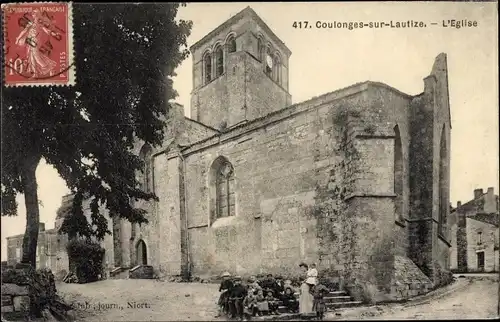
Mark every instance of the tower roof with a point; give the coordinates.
(247, 12)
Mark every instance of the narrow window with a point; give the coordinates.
(225, 191)
(146, 182)
(219, 61)
(398, 175)
(132, 230)
(479, 238)
(208, 68)
(269, 63)
(277, 69)
(260, 49)
(231, 45)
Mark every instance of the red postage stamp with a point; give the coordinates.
(38, 44)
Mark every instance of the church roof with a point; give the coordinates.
(288, 111)
(245, 12)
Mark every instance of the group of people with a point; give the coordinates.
(242, 301)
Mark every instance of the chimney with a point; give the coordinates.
(459, 204)
(490, 202)
(41, 226)
(478, 193)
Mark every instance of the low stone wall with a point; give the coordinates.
(29, 293)
(16, 292)
(15, 299)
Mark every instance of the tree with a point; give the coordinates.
(125, 57)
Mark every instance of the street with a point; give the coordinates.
(149, 300)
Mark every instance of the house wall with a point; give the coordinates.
(489, 239)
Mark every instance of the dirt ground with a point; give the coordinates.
(150, 300)
(142, 300)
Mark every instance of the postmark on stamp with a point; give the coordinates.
(38, 44)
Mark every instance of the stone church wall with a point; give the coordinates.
(277, 167)
(285, 212)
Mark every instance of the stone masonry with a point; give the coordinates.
(354, 180)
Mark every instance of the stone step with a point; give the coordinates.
(141, 272)
(343, 304)
(338, 299)
(282, 309)
(119, 273)
(330, 294)
(337, 293)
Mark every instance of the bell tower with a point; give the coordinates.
(240, 72)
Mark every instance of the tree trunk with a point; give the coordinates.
(30, 240)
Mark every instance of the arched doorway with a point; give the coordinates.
(141, 252)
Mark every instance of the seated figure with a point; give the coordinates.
(290, 301)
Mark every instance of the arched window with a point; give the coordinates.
(207, 61)
(260, 49)
(219, 61)
(142, 253)
(146, 182)
(277, 69)
(223, 189)
(231, 44)
(398, 175)
(269, 63)
(443, 198)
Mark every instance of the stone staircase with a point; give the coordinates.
(340, 299)
(119, 273)
(141, 272)
(334, 300)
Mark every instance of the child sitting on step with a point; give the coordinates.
(272, 302)
(262, 304)
(290, 301)
(250, 304)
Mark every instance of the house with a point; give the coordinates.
(474, 232)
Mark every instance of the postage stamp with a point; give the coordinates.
(38, 44)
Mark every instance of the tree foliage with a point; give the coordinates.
(86, 259)
(125, 57)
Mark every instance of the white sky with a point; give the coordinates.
(327, 59)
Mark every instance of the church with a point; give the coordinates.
(356, 180)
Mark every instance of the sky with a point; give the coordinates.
(324, 60)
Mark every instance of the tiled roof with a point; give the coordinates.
(470, 205)
(491, 218)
